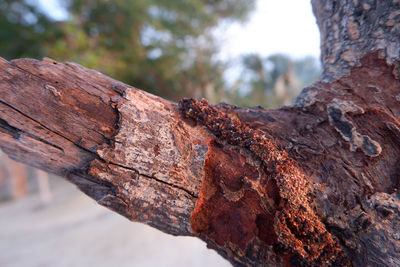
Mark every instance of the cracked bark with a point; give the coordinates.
(77, 123)
(315, 183)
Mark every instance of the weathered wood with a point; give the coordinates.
(312, 184)
(129, 150)
(144, 160)
(344, 139)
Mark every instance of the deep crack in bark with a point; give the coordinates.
(301, 236)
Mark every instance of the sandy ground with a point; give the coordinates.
(74, 231)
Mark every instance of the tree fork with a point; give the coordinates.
(315, 183)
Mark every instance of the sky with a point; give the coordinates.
(284, 26)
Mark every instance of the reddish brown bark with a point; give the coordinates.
(315, 183)
(236, 208)
(349, 156)
(48, 120)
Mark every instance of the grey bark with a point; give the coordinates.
(351, 28)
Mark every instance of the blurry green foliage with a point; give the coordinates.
(274, 80)
(164, 46)
(24, 29)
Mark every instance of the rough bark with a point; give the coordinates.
(351, 28)
(312, 184)
(343, 141)
(132, 153)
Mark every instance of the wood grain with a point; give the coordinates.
(138, 155)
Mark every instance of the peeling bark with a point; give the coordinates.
(349, 185)
(315, 183)
(289, 225)
(311, 184)
(129, 150)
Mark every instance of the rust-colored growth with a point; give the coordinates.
(292, 227)
(229, 209)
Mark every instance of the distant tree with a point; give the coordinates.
(276, 79)
(163, 45)
(23, 29)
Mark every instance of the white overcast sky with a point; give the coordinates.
(276, 26)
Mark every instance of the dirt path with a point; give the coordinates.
(75, 231)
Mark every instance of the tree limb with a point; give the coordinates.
(315, 183)
(129, 150)
(312, 183)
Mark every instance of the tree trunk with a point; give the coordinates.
(311, 184)
(351, 28)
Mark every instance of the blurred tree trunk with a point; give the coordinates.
(13, 178)
(312, 184)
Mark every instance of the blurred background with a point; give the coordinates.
(243, 52)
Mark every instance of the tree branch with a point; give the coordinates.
(315, 183)
(129, 150)
(312, 183)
